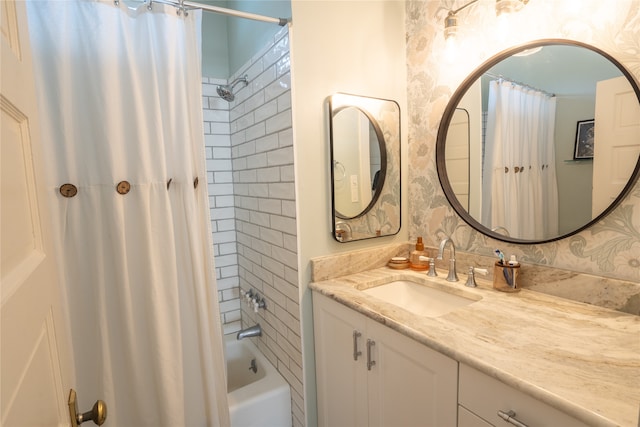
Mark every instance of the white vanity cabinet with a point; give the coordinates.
(481, 397)
(369, 375)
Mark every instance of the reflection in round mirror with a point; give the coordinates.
(541, 141)
(359, 162)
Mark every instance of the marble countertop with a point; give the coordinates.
(581, 359)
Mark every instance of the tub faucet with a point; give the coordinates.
(253, 331)
(452, 277)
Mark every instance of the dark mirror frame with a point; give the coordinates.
(386, 203)
(457, 97)
(383, 159)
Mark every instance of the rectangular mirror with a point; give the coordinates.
(365, 167)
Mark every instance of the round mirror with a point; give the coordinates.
(541, 141)
(359, 161)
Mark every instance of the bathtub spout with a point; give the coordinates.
(253, 331)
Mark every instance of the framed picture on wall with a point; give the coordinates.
(584, 140)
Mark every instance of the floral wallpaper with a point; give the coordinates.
(611, 248)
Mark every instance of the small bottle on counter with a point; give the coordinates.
(414, 259)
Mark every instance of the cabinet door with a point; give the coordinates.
(341, 380)
(410, 384)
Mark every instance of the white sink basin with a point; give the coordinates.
(418, 299)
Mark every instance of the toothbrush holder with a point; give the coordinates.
(505, 277)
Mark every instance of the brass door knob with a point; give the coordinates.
(97, 414)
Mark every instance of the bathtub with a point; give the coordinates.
(260, 399)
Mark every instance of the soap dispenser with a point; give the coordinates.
(415, 262)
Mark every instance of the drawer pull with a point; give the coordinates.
(370, 363)
(356, 353)
(510, 418)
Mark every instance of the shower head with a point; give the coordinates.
(226, 91)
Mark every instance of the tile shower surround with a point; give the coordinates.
(221, 202)
(249, 148)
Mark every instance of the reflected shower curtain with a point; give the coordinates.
(121, 115)
(519, 187)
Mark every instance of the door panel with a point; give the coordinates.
(21, 243)
(21, 407)
(457, 154)
(36, 363)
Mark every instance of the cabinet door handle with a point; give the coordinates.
(509, 417)
(370, 363)
(356, 353)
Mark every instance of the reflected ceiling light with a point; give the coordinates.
(528, 52)
(504, 7)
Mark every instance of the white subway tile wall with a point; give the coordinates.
(249, 147)
(221, 200)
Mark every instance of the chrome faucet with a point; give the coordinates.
(253, 331)
(452, 277)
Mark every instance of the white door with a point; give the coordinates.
(617, 140)
(36, 361)
(457, 155)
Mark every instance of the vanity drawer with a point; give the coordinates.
(485, 396)
(467, 418)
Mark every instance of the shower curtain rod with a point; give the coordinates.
(501, 77)
(186, 4)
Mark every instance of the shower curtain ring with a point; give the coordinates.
(182, 8)
(150, 5)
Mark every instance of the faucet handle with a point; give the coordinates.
(254, 302)
(258, 302)
(432, 265)
(471, 279)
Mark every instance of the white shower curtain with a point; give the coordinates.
(519, 187)
(120, 97)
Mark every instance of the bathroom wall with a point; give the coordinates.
(249, 147)
(345, 46)
(612, 247)
(222, 202)
(244, 35)
(229, 42)
(574, 177)
(215, 43)
(262, 150)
